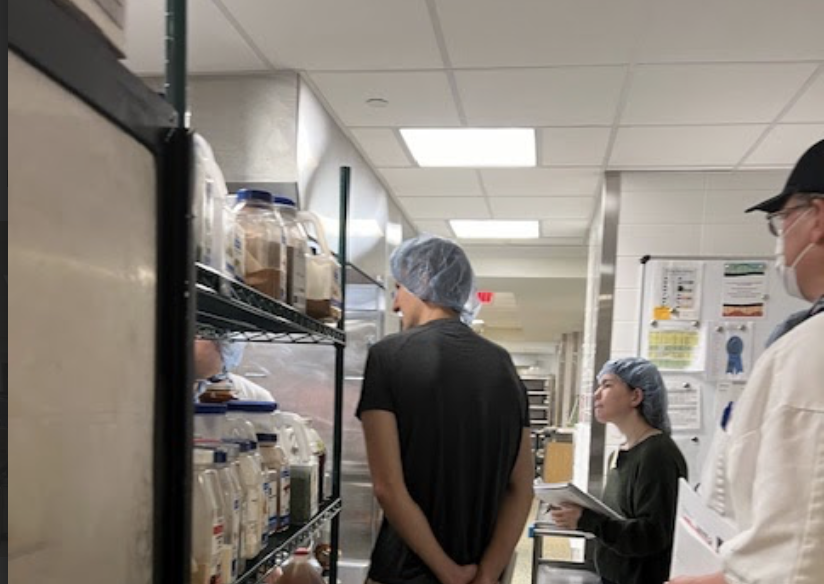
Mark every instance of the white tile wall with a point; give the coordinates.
(624, 337)
(650, 208)
(660, 239)
(684, 214)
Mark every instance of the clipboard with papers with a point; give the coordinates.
(556, 494)
(699, 534)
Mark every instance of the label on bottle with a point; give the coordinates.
(285, 493)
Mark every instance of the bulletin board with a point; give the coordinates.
(704, 321)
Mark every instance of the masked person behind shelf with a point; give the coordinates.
(772, 464)
(642, 484)
(214, 362)
(446, 423)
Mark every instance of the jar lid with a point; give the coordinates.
(267, 438)
(252, 407)
(210, 409)
(220, 457)
(254, 195)
(284, 201)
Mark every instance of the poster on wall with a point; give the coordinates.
(678, 291)
(684, 406)
(744, 291)
(730, 350)
(675, 347)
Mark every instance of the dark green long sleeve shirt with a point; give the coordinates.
(643, 487)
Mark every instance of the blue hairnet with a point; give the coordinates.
(231, 353)
(641, 374)
(436, 270)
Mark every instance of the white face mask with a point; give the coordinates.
(789, 275)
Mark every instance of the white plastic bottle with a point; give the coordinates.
(207, 521)
(231, 511)
(250, 476)
(277, 463)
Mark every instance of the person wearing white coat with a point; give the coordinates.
(772, 465)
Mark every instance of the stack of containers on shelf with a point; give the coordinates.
(210, 422)
(259, 415)
(297, 250)
(207, 520)
(323, 277)
(264, 237)
(304, 466)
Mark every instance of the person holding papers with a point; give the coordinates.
(642, 484)
(772, 466)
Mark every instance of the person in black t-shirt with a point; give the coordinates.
(642, 484)
(446, 423)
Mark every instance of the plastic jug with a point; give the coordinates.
(304, 469)
(256, 488)
(264, 243)
(323, 290)
(210, 195)
(207, 520)
(233, 507)
(297, 248)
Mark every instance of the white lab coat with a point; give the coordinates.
(774, 461)
(246, 390)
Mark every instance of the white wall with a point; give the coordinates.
(684, 214)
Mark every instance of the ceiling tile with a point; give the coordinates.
(445, 207)
(733, 30)
(679, 147)
(214, 45)
(334, 35)
(382, 147)
(574, 146)
(540, 182)
(415, 98)
(785, 144)
(441, 228)
(541, 207)
(491, 33)
(712, 94)
(810, 108)
(559, 228)
(541, 97)
(433, 182)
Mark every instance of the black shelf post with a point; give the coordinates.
(345, 186)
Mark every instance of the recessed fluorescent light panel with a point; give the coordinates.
(496, 229)
(471, 147)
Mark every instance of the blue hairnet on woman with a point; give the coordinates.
(641, 374)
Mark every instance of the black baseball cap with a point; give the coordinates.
(807, 177)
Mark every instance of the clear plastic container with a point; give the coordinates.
(210, 421)
(297, 250)
(209, 206)
(264, 242)
(304, 471)
(323, 275)
(207, 521)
